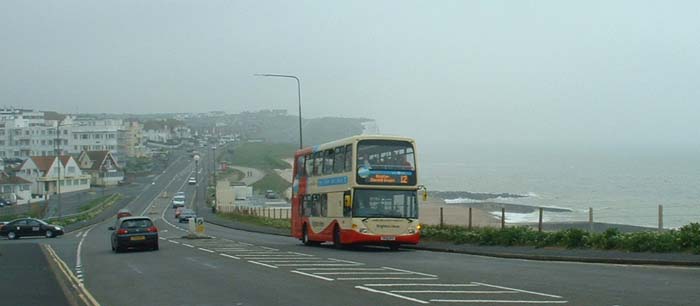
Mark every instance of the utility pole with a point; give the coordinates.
(58, 160)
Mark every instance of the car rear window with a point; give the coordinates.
(137, 223)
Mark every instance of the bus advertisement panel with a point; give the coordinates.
(358, 190)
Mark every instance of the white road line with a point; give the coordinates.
(270, 249)
(262, 264)
(499, 301)
(277, 261)
(424, 274)
(455, 291)
(188, 245)
(315, 265)
(78, 261)
(302, 254)
(421, 285)
(293, 259)
(79, 233)
(229, 256)
(312, 275)
(265, 255)
(387, 278)
(161, 238)
(341, 269)
(391, 294)
(361, 273)
(212, 237)
(519, 290)
(347, 261)
(205, 250)
(173, 241)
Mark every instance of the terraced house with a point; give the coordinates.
(102, 167)
(50, 175)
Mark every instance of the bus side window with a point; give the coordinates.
(306, 206)
(318, 163)
(347, 204)
(316, 205)
(324, 205)
(301, 162)
(308, 165)
(328, 161)
(338, 163)
(348, 158)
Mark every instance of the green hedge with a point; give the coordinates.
(685, 239)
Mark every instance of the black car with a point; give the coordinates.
(30, 227)
(134, 232)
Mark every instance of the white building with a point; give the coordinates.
(43, 173)
(25, 133)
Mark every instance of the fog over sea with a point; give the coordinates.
(622, 185)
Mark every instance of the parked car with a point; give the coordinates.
(123, 213)
(2, 223)
(30, 227)
(192, 180)
(133, 232)
(186, 215)
(4, 203)
(178, 201)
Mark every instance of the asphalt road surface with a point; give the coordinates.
(244, 268)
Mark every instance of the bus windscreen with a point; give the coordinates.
(385, 203)
(386, 162)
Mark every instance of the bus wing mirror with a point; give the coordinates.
(425, 192)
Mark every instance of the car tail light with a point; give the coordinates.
(152, 229)
(122, 231)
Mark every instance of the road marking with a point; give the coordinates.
(391, 294)
(422, 284)
(499, 301)
(340, 269)
(313, 275)
(83, 293)
(387, 278)
(302, 254)
(173, 241)
(132, 267)
(161, 238)
(455, 291)
(265, 255)
(347, 261)
(188, 245)
(79, 233)
(412, 272)
(270, 249)
(262, 264)
(314, 265)
(519, 290)
(361, 273)
(206, 250)
(277, 261)
(78, 260)
(229, 256)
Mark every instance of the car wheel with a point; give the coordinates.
(336, 238)
(12, 236)
(49, 234)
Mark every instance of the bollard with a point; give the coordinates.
(442, 223)
(539, 226)
(503, 218)
(470, 218)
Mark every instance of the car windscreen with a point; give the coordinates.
(179, 198)
(136, 223)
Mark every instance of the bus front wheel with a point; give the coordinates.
(305, 236)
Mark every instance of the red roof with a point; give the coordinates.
(12, 180)
(43, 163)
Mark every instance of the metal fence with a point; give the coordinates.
(258, 211)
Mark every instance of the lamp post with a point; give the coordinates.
(301, 143)
(58, 160)
(213, 163)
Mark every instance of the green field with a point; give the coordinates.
(273, 182)
(263, 156)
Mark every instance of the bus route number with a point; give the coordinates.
(404, 179)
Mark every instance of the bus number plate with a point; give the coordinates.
(388, 238)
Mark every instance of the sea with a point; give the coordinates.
(624, 185)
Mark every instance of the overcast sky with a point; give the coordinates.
(469, 72)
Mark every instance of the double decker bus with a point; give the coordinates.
(357, 190)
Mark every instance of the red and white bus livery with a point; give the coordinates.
(358, 190)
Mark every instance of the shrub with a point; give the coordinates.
(609, 239)
(689, 237)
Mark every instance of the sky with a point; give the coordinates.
(465, 73)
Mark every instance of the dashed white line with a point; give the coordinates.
(412, 272)
(188, 245)
(421, 284)
(173, 241)
(313, 275)
(456, 291)
(315, 265)
(386, 278)
(229, 256)
(205, 250)
(341, 269)
(361, 273)
(391, 294)
(270, 249)
(161, 238)
(519, 290)
(262, 264)
(499, 301)
(346, 261)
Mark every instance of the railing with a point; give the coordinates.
(272, 213)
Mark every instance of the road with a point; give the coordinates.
(255, 174)
(244, 268)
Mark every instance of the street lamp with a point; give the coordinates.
(301, 146)
(58, 159)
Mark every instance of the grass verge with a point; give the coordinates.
(259, 155)
(271, 181)
(255, 220)
(685, 239)
(98, 206)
